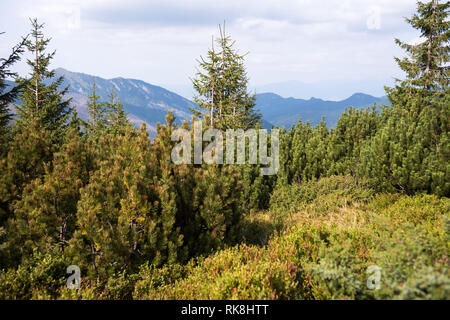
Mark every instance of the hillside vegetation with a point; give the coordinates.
(321, 249)
(360, 211)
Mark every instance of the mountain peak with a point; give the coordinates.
(360, 95)
(360, 98)
(143, 102)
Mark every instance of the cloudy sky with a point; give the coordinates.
(158, 41)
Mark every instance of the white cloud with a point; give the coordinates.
(158, 41)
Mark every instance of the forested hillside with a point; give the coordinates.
(368, 195)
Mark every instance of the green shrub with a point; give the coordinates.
(243, 272)
(39, 276)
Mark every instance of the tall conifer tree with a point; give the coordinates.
(426, 64)
(8, 95)
(410, 153)
(222, 87)
(42, 100)
(40, 127)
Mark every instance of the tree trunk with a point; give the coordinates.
(212, 86)
(36, 75)
(223, 68)
(62, 236)
(212, 104)
(430, 41)
(93, 257)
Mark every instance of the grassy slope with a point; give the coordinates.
(316, 241)
(330, 235)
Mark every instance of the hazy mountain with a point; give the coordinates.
(186, 90)
(328, 89)
(149, 103)
(286, 111)
(142, 101)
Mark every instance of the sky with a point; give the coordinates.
(335, 42)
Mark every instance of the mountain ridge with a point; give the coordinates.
(144, 102)
(332, 90)
(286, 111)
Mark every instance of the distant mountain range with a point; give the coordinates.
(327, 90)
(149, 103)
(142, 101)
(281, 111)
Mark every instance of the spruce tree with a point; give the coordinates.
(42, 101)
(410, 152)
(40, 127)
(115, 114)
(426, 64)
(106, 117)
(221, 85)
(97, 120)
(8, 95)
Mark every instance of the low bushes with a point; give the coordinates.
(312, 254)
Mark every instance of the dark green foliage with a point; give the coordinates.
(353, 130)
(308, 153)
(8, 95)
(426, 66)
(30, 151)
(138, 206)
(47, 210)
(40, 127)
(420, 113)
(122, 220)
(410, 152)
(208, 199)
